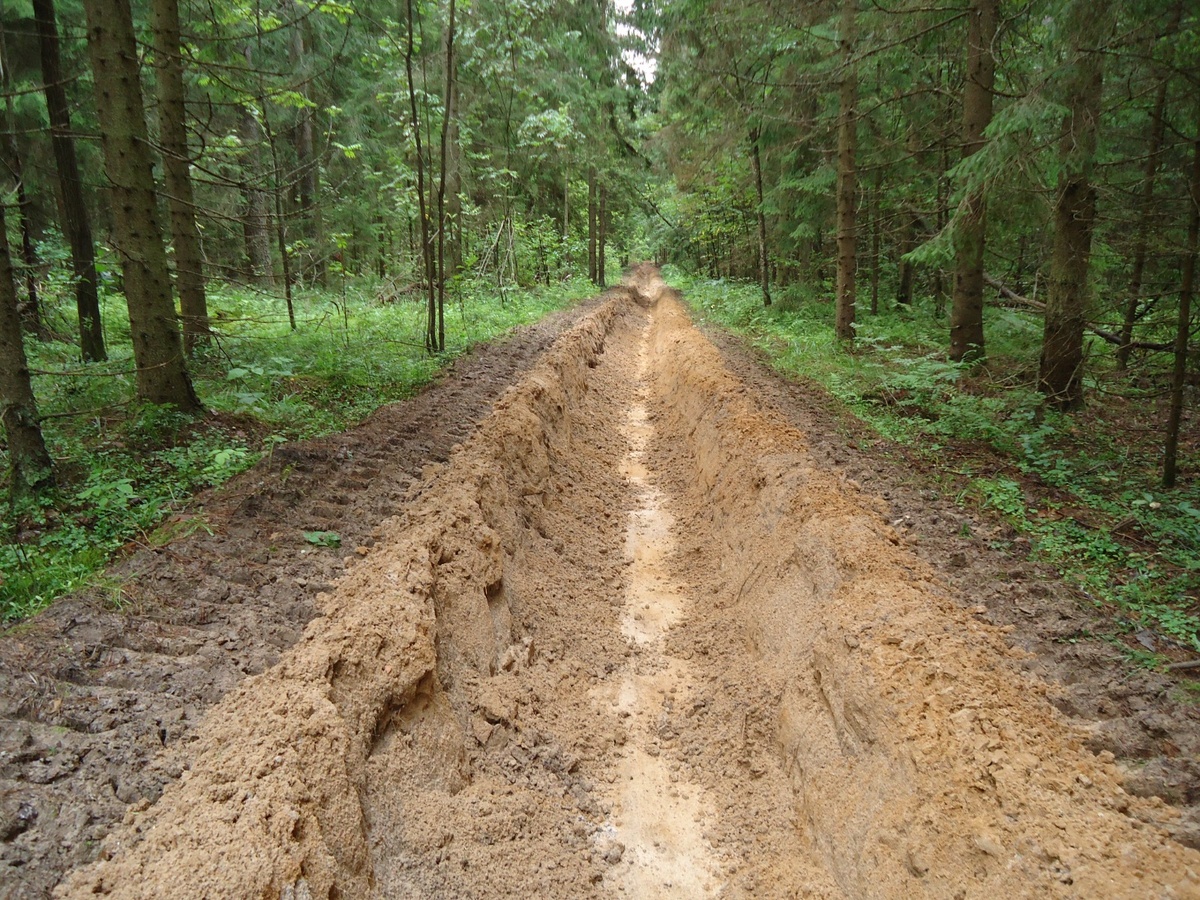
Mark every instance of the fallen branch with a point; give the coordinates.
(1181, 666)
(99, 410)
(1009, 294)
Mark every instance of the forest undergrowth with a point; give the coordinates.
(1078, 491)
(125, 469)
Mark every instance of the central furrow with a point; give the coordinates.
(660, 820)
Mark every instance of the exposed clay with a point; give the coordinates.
(630, 640)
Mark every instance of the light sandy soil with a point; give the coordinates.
(630, 641)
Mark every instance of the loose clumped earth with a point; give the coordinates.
(650, 628)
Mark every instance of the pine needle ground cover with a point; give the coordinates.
(1080, 490)
(125, 468)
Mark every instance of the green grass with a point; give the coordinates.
(125, 468)
(1186, 692)
(1083, 488)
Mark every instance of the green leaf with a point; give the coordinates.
(323, 538)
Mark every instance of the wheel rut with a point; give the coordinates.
(629, 641)
(660, 819)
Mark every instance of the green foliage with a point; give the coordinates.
(1155, 590)
(352, 351)
(125, 491)
(323, 538)
(1187, 692)
(1004, 495)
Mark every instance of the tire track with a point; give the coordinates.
(659, 818)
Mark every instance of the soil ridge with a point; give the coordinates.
(923, 759)
(271, 800)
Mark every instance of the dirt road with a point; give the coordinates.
(629, 640)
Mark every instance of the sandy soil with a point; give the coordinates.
(630, 639)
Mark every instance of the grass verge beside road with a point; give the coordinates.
(124, 468)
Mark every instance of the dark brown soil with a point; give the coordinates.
(93, 689)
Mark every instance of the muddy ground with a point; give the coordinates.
(660, 625)
(91, 695)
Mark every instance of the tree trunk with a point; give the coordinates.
(256, 212)
(910, 227)
(764, 259)
(592, 276)
(31, 314)
(281, 241)
(31, 471)
(256, 215)
(847, 190)
(162, 376)
(602, 239)
(381, 231)
(36, 325)
(308, 166)
(907, 271)
(277, 182)
(1146, 204)
(426, 249)
(1186, 288)
(876, 229)
(76, 227)
(189, 260)
(454, 251)
(310, 187)
(1060, 375)
(942, 219)
(966, 312)
(1157, 132)
(441, 199)
(1019, 269)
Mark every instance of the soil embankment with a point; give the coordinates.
(100, 694)
(630, 640)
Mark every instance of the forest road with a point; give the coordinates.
(630, 641)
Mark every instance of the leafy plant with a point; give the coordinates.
(323, 538)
